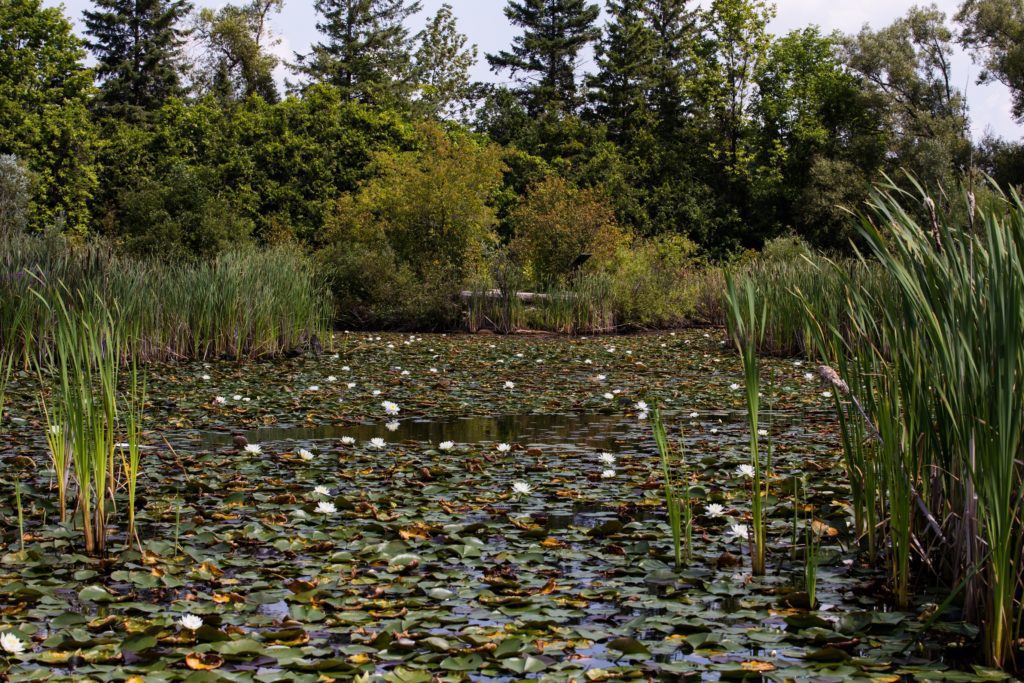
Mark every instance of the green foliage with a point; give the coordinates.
(556, 224)
(401, 249)
(14, 195)
(441, 68)
(237, 62)
(994, 31)
(138, 49)
(653, 282)
(367, 52)
(181, 215)
(44, 91)
(543, 57)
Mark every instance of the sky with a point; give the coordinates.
(485, 24)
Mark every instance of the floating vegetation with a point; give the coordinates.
(285, 533)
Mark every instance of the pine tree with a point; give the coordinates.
(676, 38)
(367, 51)
(625, 56)
(544, 56)
(137, 45)
(442, 65)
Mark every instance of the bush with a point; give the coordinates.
(652, 287)
(181, 215)
(14, 196)
(556, 224)
(401, 249)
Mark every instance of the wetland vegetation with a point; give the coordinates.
(705, 364)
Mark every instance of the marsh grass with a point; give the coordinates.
(680, 513)
(924, 332)
(242, 305)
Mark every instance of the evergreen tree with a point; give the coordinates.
(367, 51)
(625, 57)
(137, 44)
(677, 46)
(237, 62)
(544, 56)
(442, 65)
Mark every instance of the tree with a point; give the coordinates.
(441, 70)
(622, 85)
(543, 57)
(677, 44)
(138, 49)
(906, 66)
(367, 54)
(44, 93)
(994, 32)
(407, 242)
(237, 62)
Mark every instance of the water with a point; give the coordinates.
(596, 430)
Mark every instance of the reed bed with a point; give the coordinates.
(920, 343)
(241, 305)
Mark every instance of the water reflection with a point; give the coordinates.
(597, 430)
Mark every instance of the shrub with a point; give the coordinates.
(400, 250)
(557, 223)
(652, 287)
(14, 195)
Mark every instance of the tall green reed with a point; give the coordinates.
(747, 315)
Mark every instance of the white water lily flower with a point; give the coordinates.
(345, 368)
(347, 441)
(11, 644)
(714, 430)
(322, 491)
(734, 386)
(601, 378)
(405, 373)
(826, 394)
(714, 510)
(206, 377)
(376, 392)
(332, 378)
(607, 458)
(390, 407)
(433, 370)
(503, 448)
(694, 416)
(326, 508)
(762, 432)
(446, 445)
(745, 471)
(808, 376)
(393, 426)
(253, 448)
(739, 532)
(306, 455)
(521, 488)
(236, 397)
(219, 400)
(510, 385)
(608, 474)
(350, 385)
(191, 622)
(588, 362)
(641, 406)
(377, 443)
(609, 396)
(314, 387)
(641, 416)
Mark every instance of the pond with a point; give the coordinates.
(534, 546)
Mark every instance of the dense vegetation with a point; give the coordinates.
(697, 134)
